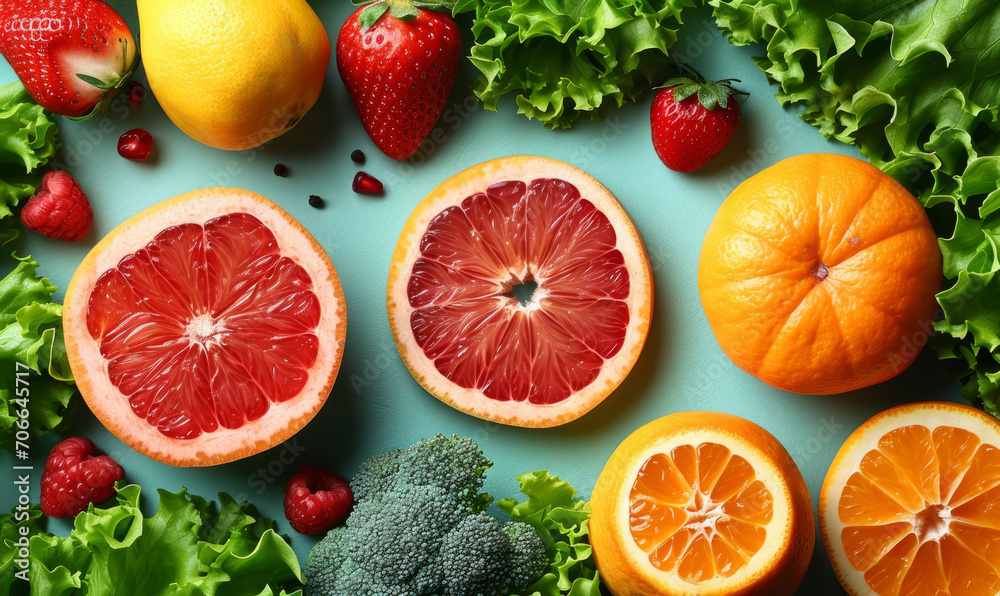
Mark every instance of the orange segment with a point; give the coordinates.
(967, 572)
(981, 510)
(465, 319)
(867, 545)
(911, 504)
(865, 503)
(879, 469)
(660, 479)
(982, 474)
(955, 448)
(652, 522)
(925, 575)
(737, 475)
(912, 450)
(722, 510)
(885, 576)
(985, 542)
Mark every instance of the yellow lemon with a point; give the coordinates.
(233, 74)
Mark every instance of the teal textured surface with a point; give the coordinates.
(376, 405)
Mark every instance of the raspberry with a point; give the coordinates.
(74, 478)
(59, 208)
(316, 500)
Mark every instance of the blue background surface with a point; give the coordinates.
(376, 405)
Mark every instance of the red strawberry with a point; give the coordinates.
(693, 121)
(71, 55)
(74, 478)
(316, 500)
(398, 68)
(59, 208)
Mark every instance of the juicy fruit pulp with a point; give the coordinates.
(921, 514)
(467, 319)
(206, 326)
(699, 511)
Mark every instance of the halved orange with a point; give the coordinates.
(207, 328)
(701, 503)
(911, 503)
(455, 309)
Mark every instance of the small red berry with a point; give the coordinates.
(366, 184)
(75, 477)
(59, 208)
(692, 121)
(315, 500)
(135, 145)
(135, 94)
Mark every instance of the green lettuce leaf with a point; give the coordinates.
(27, 141)
(189, 547)
(564, 58)
(562, 520)
(11, 534)
(32, 354)
(914, 84)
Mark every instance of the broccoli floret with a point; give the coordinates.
(452, 463)
(479, 557)
(401, 530)
(419, 529)
(376, 475)
(529, 559)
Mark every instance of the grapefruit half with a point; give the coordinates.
(520, 292)
(206, 328)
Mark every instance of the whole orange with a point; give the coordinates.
(818, 275)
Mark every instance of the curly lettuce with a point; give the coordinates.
(27, 141)
(33, 358)
(562, 520)
(31, 340)
(564, 59)
(188, 547)
(915, 85)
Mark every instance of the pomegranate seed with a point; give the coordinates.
(366, 184)
(135, 145)
(135, 94)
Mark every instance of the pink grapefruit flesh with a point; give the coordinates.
(474, 338)
(218, 336)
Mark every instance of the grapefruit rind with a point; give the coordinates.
(865, 439)
(283, 419)
(791, 542)
(452, 192)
